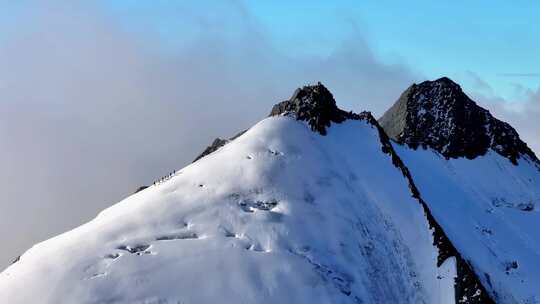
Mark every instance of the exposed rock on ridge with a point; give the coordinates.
(141, 188)
(439, 115)
(216, 144)
(315, 105)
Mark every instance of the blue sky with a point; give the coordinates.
(495, 40)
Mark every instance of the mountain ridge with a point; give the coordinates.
(311, 204)
(315, 105)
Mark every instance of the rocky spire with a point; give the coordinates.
(314, 104)
(439, 115)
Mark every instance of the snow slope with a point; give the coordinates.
(480, 181)
(281, 214)
(488, 207)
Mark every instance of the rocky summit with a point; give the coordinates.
(439, 115)
(314, 104)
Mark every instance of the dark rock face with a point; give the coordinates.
(216, 144)
(141, 188)
(314, 104)
(439, 115)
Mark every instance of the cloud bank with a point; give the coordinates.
(522, 113)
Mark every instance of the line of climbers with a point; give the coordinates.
(165, 178)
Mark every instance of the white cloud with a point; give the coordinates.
(521, 111)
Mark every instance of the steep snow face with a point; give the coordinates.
(279, 215)
(488, 207)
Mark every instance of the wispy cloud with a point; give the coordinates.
(521, 111)
(524, 75)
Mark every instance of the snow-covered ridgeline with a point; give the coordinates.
(281, 214)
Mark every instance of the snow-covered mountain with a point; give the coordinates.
(317, 205)
(480, 181)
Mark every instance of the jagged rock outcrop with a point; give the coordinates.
(315, 105)
(216, 144)
(141, 188)
(439, 115)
